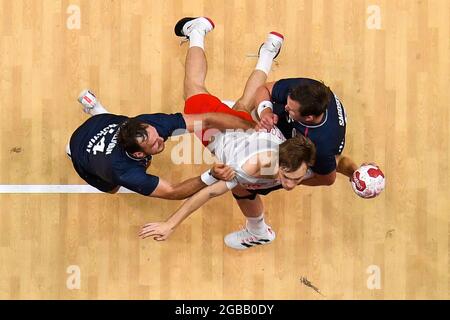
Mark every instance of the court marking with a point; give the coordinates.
(53, 188)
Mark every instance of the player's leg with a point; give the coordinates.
(91, 106)
(247, 100)
(195, 30)
(198, 99)
(253, 211)
(267, 52)
(345, 165)
(256, 231)
(250, 204)
(195, 73)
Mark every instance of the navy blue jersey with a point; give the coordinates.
(102, 163)
(328, 136)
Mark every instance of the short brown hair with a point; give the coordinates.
(130, 131)
(313, 98)
(294, 151)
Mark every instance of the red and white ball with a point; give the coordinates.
(368, 181)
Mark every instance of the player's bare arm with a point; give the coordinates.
(162, 230)
(320, 180)
(263, 93)
(345, 166)
(185, 189)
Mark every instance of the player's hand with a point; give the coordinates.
(268, 119)
(158, 230)
(221, 171)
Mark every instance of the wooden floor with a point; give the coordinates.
(394, 83)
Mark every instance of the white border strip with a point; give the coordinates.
(53, 188)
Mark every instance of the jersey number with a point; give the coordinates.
(100, 146)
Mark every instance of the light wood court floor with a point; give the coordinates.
(393, 81)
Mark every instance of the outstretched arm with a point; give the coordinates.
(179, 191)
(162, 230)
(187, 188)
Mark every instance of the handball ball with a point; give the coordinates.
(368, 181)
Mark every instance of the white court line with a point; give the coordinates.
(53, 188)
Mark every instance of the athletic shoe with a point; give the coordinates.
(273, 43)
(244, 239)
(185, 26)
(87, 100)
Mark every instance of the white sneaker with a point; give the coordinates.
(68, 152)
(184, 27)
(273, 43)
(244, 239)
(87, 100)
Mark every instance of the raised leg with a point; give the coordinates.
(267, 52)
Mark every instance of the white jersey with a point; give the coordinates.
(235, 148)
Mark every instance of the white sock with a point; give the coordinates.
(265, 60)
(257, 225)
(197, 39)
(99, 109)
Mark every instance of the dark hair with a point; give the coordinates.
(312, 97)
(294, 151)
(130, 131)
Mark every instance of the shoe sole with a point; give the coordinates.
(255, 244)
(178, 29)
(244, 247)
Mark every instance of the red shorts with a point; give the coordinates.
(204, 103)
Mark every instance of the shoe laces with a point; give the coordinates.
(243, 234)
